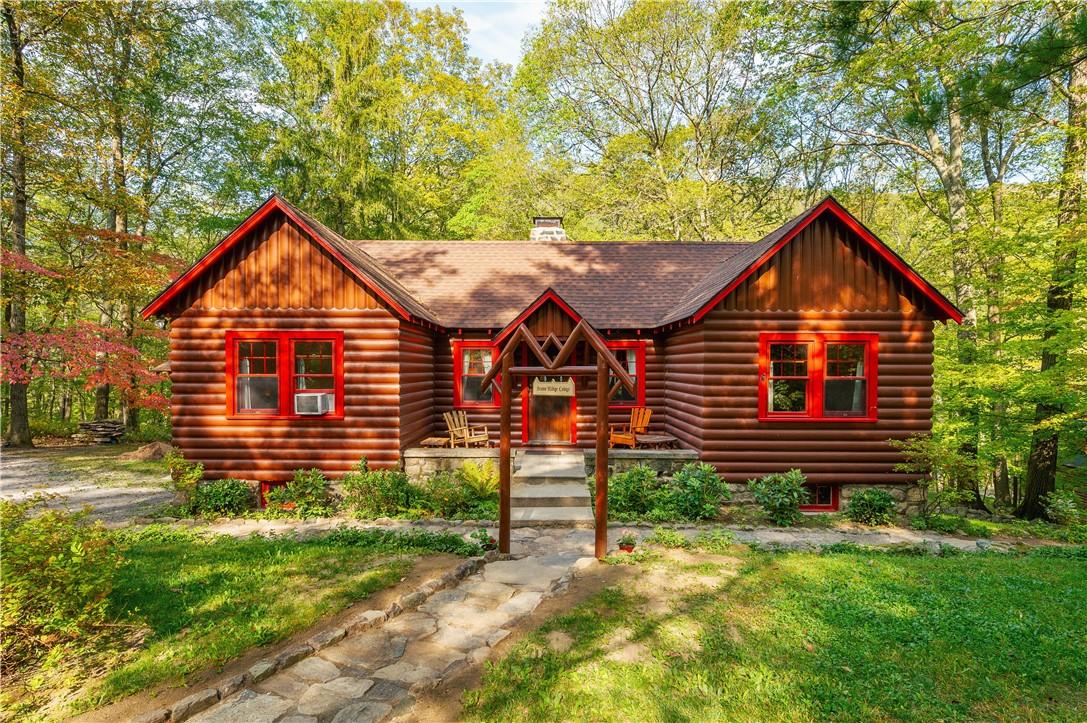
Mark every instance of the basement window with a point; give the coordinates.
(267, 370)
(818, 377)
(821, 498)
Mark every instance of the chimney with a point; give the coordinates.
(547, 228)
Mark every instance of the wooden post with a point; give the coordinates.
(504, 458)
(601, 457)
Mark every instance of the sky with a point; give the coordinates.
(495, 29)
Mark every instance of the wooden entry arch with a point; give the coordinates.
(556, 366)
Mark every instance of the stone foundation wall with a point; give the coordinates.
(665, 462)
(908, 497)
(422, 463)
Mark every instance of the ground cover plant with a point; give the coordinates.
(853, 635)
(177, 603)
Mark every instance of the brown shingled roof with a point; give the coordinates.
(485, 284)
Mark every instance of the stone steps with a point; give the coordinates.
(549, 488)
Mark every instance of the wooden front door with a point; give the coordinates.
(551, 419)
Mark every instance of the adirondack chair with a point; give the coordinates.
(460, 432)
(627, 432)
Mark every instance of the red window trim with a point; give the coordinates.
(817, 342)
(284, 370)
(458, 346)
(639, 365)
(834, 500)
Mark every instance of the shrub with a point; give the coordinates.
(1063, 507)
(631, 493)
(380, 493)
(59, 570)
(185, 476)
(697, 492)
(482, 479)
(780, 495)
(304, 496)
(871, 507)
(222, 497)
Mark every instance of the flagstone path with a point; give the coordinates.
(377, 674)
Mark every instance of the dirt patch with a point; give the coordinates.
(147, 453)
(425, 568)
(559, 641)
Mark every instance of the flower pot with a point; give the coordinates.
(626, 548)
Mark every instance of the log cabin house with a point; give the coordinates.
(292, 347)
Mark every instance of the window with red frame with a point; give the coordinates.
(821, 498)
(829, 377)
(472, 360)
(631, 354)
(265, 369)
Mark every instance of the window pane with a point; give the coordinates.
(470, 390)
(313, 348)
(820, 495)
(311, 382)
(788, 360)
(476, 361)
(845, 360)
(845, 397)
(257, 394)
(787, 395)
(256, 357)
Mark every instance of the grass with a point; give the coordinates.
(1016, 529)
(185, 604)
(100, 464)
(800, 636)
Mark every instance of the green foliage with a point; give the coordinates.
(951, 525)
(403, 541)
(871, 507)
(371, 493)
(185, 476)
(484, 539)
(668, 538)
(306, 495)
(481, 479)
(222, 497)
(627, 537)
(780, 495)
(948, 471)
(715, 541)
(1062, 506)
(59, 569)
(696, 492)
(451, 496)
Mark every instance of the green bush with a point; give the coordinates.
(380, 492)
(185, 477)
(59, 569)
(304, 496)
(1063, 507)
(871, 507)
(481, 479)
(222, 497)
(780, 495)
(697, 492)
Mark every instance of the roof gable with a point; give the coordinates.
(722, 280)
(547, 296)
(365, 269)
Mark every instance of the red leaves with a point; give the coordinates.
(93, 353)
(15, 261)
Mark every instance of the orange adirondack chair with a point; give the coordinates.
(627, 432)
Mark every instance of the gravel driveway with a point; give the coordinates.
(24, 473)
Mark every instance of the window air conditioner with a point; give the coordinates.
(314, 403)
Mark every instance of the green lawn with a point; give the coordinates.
(185, 604)
(797, 636)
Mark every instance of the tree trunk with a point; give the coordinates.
(1042, 464)
(17, 433)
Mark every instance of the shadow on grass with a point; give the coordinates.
(804, 636)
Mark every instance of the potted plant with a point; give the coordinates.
(484, 539)
(627, 541)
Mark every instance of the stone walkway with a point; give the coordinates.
(376, 674)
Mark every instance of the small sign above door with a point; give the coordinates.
(553, 387)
